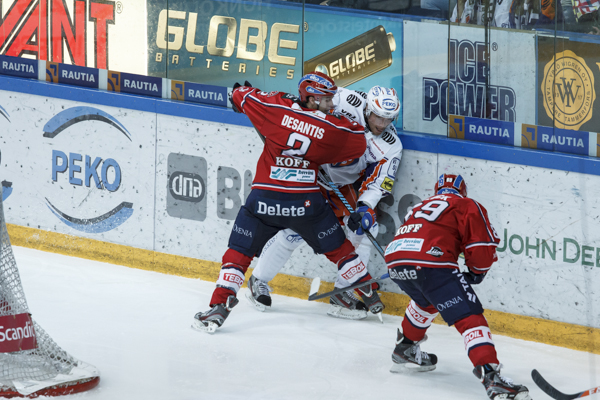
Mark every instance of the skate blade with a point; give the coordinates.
(520, 396)
(380, 316)
(407, 368)
(208, 327)
(341, 312)
(259, 306)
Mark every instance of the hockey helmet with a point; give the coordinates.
(316, 84)
(454, 184)
(383, 102)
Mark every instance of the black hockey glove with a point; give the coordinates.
(362, 219)
(230, 95)
(235, 86)
(473, 278)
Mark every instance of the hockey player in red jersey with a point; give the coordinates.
(285, 193)
(375, 171)
(422, 260)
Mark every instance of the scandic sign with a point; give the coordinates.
(17, 333)
(39, 28)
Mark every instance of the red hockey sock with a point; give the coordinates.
(417, 320)
(478, 340)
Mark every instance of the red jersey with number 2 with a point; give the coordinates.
(437, 230)
(297, 140)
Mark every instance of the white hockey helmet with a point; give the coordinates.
(383, 102)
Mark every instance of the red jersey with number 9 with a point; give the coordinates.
(437, 230)
(297, 140)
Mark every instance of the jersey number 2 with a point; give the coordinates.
(299, 145)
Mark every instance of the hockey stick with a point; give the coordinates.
(315, 296)
(555, 394)
(339, 194)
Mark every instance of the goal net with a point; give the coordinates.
(31, 363)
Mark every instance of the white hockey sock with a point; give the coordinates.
(276, 253)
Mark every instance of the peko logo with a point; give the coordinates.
(82, 170)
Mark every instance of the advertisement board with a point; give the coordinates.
(220, 43)
(568, 83)
(450, 77)
(105, 34)
(79, 169)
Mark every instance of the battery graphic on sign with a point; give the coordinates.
(357, 58)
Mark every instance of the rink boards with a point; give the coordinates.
(135, 186)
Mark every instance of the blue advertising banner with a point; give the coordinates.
(15, 66)
(72, 75)
(134, 84)
(555, 139)
(481, 130)
(198, 93)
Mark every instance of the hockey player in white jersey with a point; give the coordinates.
(376, 171)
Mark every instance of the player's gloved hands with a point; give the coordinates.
(473, 278)
(230, 95)
(362, 219)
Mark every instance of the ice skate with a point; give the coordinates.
(214, 318)
(410, 358)
(497, 386)
(371, 299)
(346, 305)
(258, 293)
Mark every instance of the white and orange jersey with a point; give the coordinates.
(377, 167)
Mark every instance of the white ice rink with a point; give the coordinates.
(134, 326)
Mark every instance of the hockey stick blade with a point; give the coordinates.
(352, 287)
(314, 286)
(555, 394)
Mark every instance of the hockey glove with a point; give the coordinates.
(473, 278)
(233, 106)
(362, 219)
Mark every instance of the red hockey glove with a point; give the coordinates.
(362, 219)
(473, 278)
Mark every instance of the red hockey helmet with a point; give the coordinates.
(451, 184)
(316, 84)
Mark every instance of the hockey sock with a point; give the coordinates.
(231, 277)
(478, 340)
(417, 320)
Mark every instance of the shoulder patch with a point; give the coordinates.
(388, 137)
(354, 100)
(290, 96)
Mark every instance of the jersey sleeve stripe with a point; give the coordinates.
(373, 177)
(268, 186)
(446, 264)
(309, 114)
(494, 244)
(487, 225)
